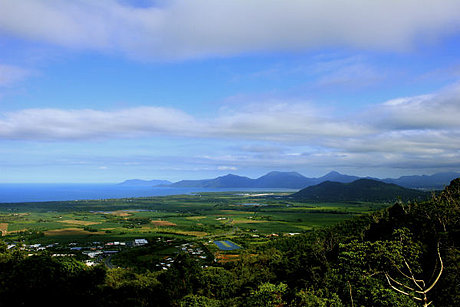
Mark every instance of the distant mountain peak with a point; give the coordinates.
(332, 173)
(230, 175)
(277, 173)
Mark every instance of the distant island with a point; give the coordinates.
(295, 180)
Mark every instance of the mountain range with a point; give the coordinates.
(294, 180)
(288, 180)
(358, 190)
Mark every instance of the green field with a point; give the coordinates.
(194, 217)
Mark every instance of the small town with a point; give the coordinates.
(95, 252)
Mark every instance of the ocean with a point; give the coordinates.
(15, 192)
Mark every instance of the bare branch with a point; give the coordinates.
(400, 291)
(412, 275)
(405, 275)
(351, 296)
(440, 271)
(400, 283)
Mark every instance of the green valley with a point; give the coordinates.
(231, 249)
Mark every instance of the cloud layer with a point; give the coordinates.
(420, 129)
(190, 29)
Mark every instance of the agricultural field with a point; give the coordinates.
(223, 224)
(204, 215)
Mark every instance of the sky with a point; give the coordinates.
(109, 90)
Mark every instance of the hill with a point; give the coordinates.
(358, 190)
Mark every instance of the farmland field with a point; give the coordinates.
(249, 218)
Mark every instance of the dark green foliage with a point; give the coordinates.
(359, 190)
(192, 300)
(216, 282)
(125, 288)
(267, 294)
(24, 281)
(312, 298)
(180, 279)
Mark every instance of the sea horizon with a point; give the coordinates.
(43, 192)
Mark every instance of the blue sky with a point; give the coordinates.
(103, 91)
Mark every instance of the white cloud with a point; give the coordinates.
(421, 119)
(188, 29)
(56, 124)
(421, 130)
(281, 122)
(10, 74)
(434, 111)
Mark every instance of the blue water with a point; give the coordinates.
(221, 246)
(13, 193)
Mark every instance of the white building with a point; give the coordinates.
(140, 242)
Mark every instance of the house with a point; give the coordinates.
(140, 242)
(90, 263)
(92, 254)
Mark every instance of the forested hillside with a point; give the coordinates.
(405, 255)
(358, 190)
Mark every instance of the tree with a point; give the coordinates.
(312, 298)
(192, 300)
(361, 266)
(268, 295)
(418, 291)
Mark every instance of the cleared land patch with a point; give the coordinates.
(69, 232)
(4, 228)
(193, 233)
(222, 258)
(163, 223)
(184, 232)
(120, 213)
(193, 218)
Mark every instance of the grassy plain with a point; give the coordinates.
(201, 216)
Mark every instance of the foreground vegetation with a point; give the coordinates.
(403, 255)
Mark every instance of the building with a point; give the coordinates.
(140, 242)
